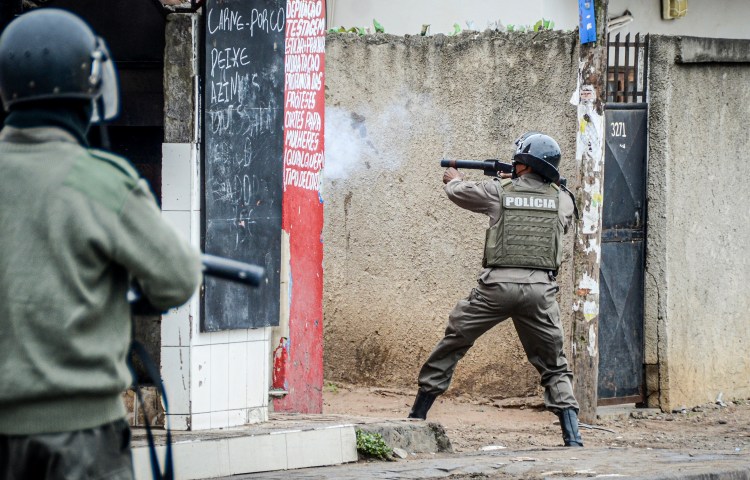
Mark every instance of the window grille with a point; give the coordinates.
(627, 72)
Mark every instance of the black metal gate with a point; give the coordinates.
(621, 374)
(621, 371)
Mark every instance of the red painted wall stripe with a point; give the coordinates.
(300, 367)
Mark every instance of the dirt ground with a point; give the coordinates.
(518, 423)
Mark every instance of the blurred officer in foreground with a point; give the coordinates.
(77, 226)
(523, 250)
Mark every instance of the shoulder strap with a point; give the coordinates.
(138, 350)
(116, 161)
(573, 198)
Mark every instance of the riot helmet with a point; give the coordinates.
(523, 137)
(51, 54)
(540, 152)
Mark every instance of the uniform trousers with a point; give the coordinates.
(92, 454)
(536, 317)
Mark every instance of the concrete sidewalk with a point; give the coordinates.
(285, 442)
(542, 463)
(324, 447)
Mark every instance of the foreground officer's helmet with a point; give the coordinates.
(540, 152)
(50, 54)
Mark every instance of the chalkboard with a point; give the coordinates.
(243, 98)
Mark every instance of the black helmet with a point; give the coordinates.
(523, 137)
(540, 152)
(50, 54)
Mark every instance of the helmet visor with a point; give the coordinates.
(104, 74)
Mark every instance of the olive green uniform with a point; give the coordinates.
(77, 226)
(527, 295)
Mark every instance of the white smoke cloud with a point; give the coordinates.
(352, 140)
(343, 144)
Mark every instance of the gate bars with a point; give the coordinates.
(627, 71)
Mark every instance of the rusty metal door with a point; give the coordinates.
(621, 371)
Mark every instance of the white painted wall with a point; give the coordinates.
(717, 18)
(213, 379)
(712, 19)
(407, 17)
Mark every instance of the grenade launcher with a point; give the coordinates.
(212, 266)
(489, 167)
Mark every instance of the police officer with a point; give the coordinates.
(78, 226)
(528, 216)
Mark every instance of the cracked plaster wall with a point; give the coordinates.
(698, 275)
(398, 254)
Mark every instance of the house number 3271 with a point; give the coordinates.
(618, 129)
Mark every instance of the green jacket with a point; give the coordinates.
(75, 226)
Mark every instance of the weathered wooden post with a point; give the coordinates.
(592, 76)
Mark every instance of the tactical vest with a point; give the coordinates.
(529, 232)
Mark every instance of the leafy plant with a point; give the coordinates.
(361, 31)
(372, 445)
(358, 30)
(544, 25)
(539, 26)
(331, 387)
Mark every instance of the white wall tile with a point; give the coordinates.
(199, 338)
(257, 334)
(175, 371)
(257, 376)
(238, 366)
(179, 422)
(219, 368)
(200, 421)
(195, 160)
(219, 419)
(175, 327)
(313, 447)
(200, 384)
(179, 220)
(236, 418)
(195, 222)
(261, 453)
(177, 182)
(195, 315)
(238, 335)
(220, 337)
(257, 415)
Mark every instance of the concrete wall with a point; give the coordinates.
(717, 18)
(397, 253)
(698, 280)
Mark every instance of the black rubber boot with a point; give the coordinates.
(569, 425)
(422, 405)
